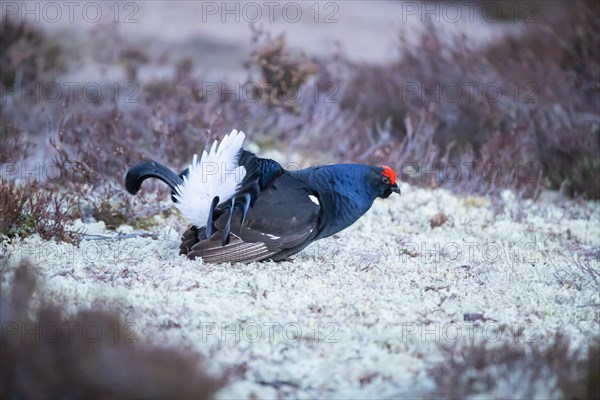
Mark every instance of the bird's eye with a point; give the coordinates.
(385, 179)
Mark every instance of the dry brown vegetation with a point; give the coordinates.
(26, 209)
(550, 128)
(62, 357)
(26, 56)
(531, 368)
(546, 134)
(14, 148)
(282, 73)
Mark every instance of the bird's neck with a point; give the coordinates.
(343, 195)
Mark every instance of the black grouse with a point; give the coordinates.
(243, 208)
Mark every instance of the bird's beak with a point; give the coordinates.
(395, 188)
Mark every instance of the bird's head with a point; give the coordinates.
(385, 181)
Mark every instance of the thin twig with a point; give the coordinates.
(119, 236)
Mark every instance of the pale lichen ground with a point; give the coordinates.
(359, 315)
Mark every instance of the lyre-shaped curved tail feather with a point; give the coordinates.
(224, 179)
(151, 169)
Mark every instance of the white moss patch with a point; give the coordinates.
(359, 315)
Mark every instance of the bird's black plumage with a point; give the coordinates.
(274, 212)
(151, 169)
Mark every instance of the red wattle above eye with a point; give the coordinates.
(389, 173)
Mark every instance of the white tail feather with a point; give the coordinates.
(217, 174)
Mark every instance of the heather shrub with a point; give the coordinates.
(546, 121)
(108, 361)
(542, 132)
(519, 370)
(25, 210)
(14, 147)
(282, 73)
(27, 56)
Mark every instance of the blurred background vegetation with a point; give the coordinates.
(374, 87)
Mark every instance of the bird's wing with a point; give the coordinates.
(261, 173)
(285, 217)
